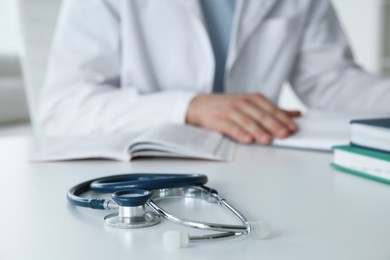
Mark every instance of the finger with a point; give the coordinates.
(275, 126)
(234, 131)
(286, 120)
(283, 118)
(267, 122)
(250, 126)
(292, 113)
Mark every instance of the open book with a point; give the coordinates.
(179, 141)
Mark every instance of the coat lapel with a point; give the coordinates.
(193, 7)
(249, 15)
(195, 12)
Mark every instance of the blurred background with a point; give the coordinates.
(366, 22)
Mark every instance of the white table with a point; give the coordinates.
(315, 211)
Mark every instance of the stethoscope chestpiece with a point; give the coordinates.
(131, 210)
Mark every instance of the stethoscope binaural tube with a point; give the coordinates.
(174, 239)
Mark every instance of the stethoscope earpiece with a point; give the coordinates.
(259, 229)
(175, 239)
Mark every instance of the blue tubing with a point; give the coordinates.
(144, 181)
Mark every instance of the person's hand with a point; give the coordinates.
(244, 117)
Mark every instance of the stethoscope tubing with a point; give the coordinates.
(146, 181)
(118, 182)
(74, 197)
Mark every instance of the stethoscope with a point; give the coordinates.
(133, 193)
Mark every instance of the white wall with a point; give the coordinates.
(13, 106)
(8, 27)
(362, 22)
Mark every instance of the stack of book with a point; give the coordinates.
(368, 154)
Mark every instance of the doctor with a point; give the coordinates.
(127, 65)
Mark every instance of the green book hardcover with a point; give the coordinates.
(363, 162)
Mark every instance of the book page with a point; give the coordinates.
(183, 141)
(113, 147)
(318, 131)
(321, 131)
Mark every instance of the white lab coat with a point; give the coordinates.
(127, 65)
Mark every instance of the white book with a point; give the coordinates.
(371, 133)
(179, 141)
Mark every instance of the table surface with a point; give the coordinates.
(315, 212)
